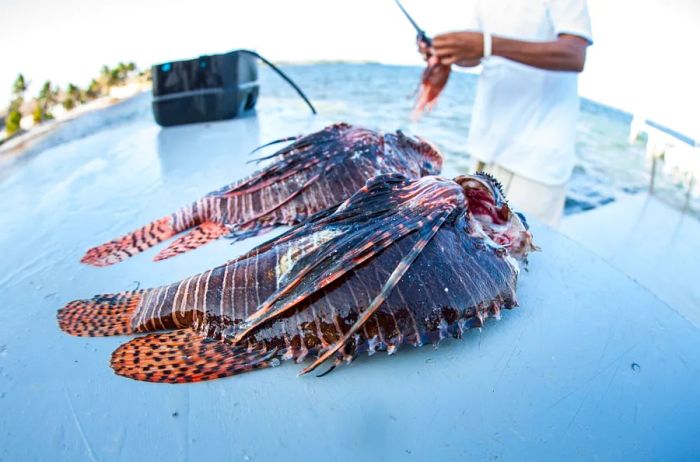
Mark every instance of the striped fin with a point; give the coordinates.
(206, 232)
(130, 244)
(387, 208)
(426, 234)
(299, 165)
(184, 356)
(307, 152)
(100, 316)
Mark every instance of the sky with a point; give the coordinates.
(644, 60)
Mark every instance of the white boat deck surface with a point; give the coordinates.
(591, 366)
(653, 243)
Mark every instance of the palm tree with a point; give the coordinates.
(39, 115)
(19, 87)
(106, 79)
(14, 113)
(122, 71)
(73, 97)
(12, 122)
(93, 90)
(48, 96)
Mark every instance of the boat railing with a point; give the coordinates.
(679, 153)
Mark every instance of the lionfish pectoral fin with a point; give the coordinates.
(281, 301)
(184, 356)
(426, 234)
(396, 214)
(306, 152)
(206, 232)
(130, 244)
(100, 316)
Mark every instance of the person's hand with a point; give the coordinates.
(459, 47)
(423, 49)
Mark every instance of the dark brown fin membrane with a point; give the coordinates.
(206, 232)
(130, 244)
(386, 209)
(100, 316)
(184, 356)
(426, 234)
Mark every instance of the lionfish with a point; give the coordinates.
(433, 81)
(313, 173)
(402, 261)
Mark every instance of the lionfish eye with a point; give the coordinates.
(427, 166)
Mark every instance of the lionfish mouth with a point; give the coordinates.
(493, 218)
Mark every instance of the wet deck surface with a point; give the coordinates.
(590, 366)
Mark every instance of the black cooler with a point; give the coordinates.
(207, 88)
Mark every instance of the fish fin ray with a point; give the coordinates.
(281, 140)
(306, 152)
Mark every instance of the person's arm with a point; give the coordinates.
(566, 53)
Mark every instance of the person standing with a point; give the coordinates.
(523, 127)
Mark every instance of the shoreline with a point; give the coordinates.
(13, 148)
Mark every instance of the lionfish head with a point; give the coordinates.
(422, 151)
(491, 214)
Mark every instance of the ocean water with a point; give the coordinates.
(381, 97)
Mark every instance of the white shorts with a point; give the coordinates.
(545, 202)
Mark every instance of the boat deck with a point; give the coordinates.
(651, 242)
(591, 365)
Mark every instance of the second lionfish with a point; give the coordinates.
(311, 174)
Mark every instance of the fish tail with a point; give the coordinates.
(100, 316)
(183, 356)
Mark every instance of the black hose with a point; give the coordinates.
(284, 76)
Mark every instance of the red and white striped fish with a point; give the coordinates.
(403, 261)
(433, 81)
(313, 173)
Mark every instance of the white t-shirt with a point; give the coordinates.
(524, 118)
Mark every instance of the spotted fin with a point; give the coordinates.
(206, 232)
(100, 316)
(184, 356)
(130, 244)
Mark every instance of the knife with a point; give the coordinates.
(420, 32)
